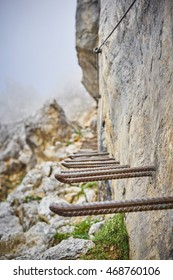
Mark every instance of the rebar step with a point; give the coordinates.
(122, 206)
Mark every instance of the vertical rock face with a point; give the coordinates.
(87, 20)
(136, 109)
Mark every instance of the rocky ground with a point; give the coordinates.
(28, 227)
(31, 152)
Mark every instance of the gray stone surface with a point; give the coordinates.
(11, 232)
(47, 126)
(69, 249)
(95, 228)
(43, 209)
(135, 111)
(87, 19)
(32, 140)
(28, 214)
(27, 226)
(40, 234)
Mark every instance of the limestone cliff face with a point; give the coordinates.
(136, 112)
(87, 20)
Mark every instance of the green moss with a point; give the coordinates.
(78, 132)
(31, 198)
(89, 185)
(58, 237)
(68, 143)
(111, 242)
(80, 231)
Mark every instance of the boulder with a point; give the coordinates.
(33, 140)
(95, 228)
(69, 249)
(46, 127)
(11, 231)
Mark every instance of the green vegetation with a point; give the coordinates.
(78, 132)
(111, 242)
(89, 185)
(80, 231)
(68, 143)
(31, 198)
(58, 237)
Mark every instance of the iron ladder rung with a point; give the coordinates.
(122, 206)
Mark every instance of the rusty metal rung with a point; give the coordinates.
(105, 172)
(86, 151)
(89, 154)
(122, 206)
(91, 159)
(88, 164)
(103, 177)
(109, 167)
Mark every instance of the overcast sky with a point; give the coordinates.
(37, 44)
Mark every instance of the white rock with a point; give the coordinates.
(43, 209)
(3, 167)
(33, 177)
(39, 235)
(95, 228)
(46, 168)
(69, 197)
(81, 199)
(72, 190)
(90, 195)
(28, 214)
(57, 222)
(11, 232)
(50, 151)
(49, 185)
(66, 229)
(25, 155)
(71, 149)
(69, 249)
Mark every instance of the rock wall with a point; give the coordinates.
(87, 23)
(136, 112)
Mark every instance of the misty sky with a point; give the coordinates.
(37, 44)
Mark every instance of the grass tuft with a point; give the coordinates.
(111, 242)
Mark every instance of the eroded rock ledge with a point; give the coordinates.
(87, 24)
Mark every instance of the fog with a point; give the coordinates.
(38, 57)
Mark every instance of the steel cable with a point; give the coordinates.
(98, 50)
